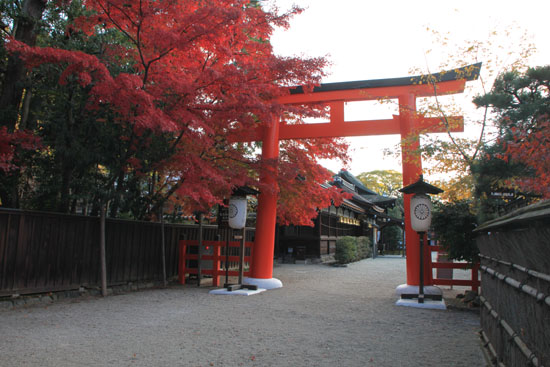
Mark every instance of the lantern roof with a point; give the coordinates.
(244, 191)
(421, 187)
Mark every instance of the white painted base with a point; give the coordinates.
(413, 289)
(239, 292)
(428, 304)
(272, 283)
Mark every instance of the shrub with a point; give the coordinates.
(346, 249)
(364, 248)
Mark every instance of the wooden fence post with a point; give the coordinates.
(182, 261)
(163, 245)
(475, 277)
(102, 255)
(199, 264)
(216, 263)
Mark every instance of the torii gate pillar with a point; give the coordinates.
(412, 169)
(263, 251)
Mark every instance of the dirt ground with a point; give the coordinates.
(323, 316)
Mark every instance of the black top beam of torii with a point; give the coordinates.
(468, 73)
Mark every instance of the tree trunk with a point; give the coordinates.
(11, 89)
(65, 197)
(12, 85)
(119, 191)
(25, 108)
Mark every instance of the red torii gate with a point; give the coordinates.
(409, 124)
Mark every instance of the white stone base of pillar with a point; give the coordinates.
(413, 289)
(240, 292)
(408, 297)
(272, 283)
(428, 303)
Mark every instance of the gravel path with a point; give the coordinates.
(324, 316)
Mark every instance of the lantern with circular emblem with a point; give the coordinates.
(237, 212)
(421, 219)
(421, 212)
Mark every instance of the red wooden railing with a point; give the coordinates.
(473, 282)
(218, 259)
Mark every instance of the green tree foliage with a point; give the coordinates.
(392, 237)
(521, 101)
(383, 182)
(453, 223)
(491, 175)
(387, 183)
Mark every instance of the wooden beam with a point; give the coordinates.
(339, 128)
(362, 128)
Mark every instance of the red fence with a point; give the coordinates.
(473, 282)
(213, 251)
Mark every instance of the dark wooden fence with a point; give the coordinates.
(515, 287)
(46, 252)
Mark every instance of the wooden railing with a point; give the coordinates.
(213, 251)
(473, 282)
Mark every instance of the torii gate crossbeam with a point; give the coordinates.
(409, 124)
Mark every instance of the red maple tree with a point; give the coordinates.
(202, 71)
(10, 142)
(532, 148)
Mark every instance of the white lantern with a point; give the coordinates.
(421, 212)
(237, 212)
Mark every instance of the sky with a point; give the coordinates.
(367, 39)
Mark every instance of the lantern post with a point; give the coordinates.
(420, 219)
(237, 214)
